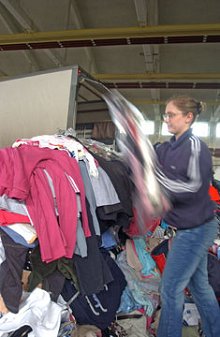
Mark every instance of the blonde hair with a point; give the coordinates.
(188, 104)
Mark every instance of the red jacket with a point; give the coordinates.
(214, 194)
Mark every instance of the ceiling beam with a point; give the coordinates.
(11, 25)
(18, 16)
(141, 12)
(162, 85)
(164, 31)
(215, 116)
(77, 19)
(157, 76)
(160, 102)
(144, 78)
(147, 14)
(100, 105)
(22, 19)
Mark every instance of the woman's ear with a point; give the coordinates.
(190, 117)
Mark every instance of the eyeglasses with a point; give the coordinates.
(170, 115)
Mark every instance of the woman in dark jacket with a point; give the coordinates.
(186, 163)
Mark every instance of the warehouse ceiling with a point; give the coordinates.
(147, 49)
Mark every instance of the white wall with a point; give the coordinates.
(34, 105)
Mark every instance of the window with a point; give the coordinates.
(164, 131)
(200, 129)
(217, 130)
(148, 127)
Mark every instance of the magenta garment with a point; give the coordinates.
(22, 177)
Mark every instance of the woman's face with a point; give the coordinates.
(177, 122)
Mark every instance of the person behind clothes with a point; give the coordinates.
(186, 163)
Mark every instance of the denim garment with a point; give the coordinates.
(186, 266)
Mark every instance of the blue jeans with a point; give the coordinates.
(186, 266)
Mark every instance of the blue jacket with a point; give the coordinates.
(187, 164)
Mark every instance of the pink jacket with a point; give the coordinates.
(22, 177)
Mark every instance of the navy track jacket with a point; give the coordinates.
(187, 166)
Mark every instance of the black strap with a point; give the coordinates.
(118, 317)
